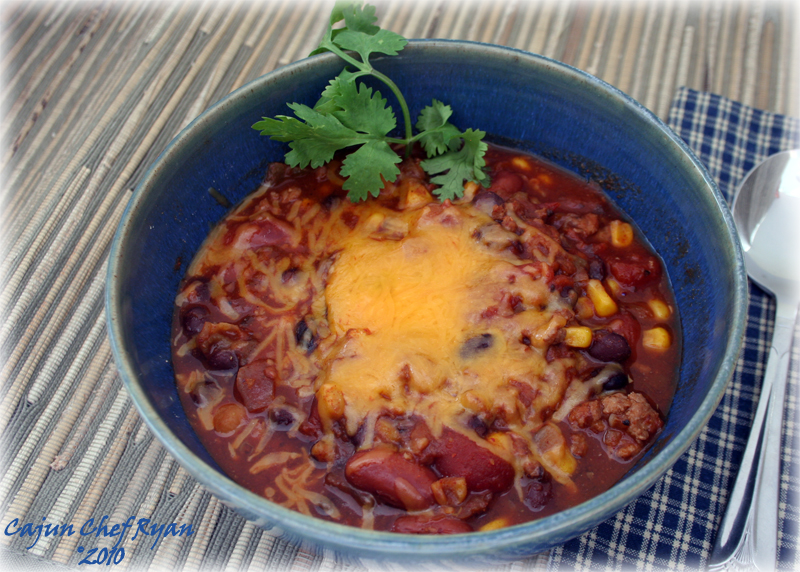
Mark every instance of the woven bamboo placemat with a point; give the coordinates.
(93, 91)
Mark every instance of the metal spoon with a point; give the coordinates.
(766, 210)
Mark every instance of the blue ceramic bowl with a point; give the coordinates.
(520, 99)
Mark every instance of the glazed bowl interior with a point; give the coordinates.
(521, 100)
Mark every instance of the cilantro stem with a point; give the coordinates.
(350, 115)
(367, 68)
(403, 107)
(363, 66)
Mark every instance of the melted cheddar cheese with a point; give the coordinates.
(447, 343)
(412, 316)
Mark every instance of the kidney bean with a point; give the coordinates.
(392, 478)
(418, 524)
(506, 184)
(608, 346)
(626, 326)
(459, 456)
(255, 383)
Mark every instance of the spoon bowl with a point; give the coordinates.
(766, 211)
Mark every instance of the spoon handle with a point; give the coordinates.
(748, 535)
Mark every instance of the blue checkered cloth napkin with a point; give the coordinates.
(674, 524)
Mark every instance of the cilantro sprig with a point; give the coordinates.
(350, 115)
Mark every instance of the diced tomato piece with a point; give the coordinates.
(418, 524)
(255, 383)
(635, 270)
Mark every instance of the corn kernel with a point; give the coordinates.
(604, 305)
(416, 195)
(324, 451)
(544, 179)
(330, 402)
(659, 308)
(470, 189)
(578, 336)
(472, 401)
(656, 339)
(521, 163)
(374, 221)
(613, 285)
(501, 440)
(450, 491)
(621, 233)
(495, 524)
(584, 308)
(333, 173)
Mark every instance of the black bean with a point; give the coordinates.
(289, 274)
(478, 425)
(476, 345)
(304, 337)
(485, 201)
(193, 319)
(330, 202)
(281, 417)
(300, 330)
(203, 391)
(597, 270)
(222, 360)
(537, 494)
(358, 437)
(616, 381)
(608, 346)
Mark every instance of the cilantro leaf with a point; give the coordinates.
(337, 13)
(362, 111)
(434, 116)
(313, 142)
(367, 167)
(359, 19)
(383, 42)
(350, 115)
(436, 131)
(459, 165)
(330, 99)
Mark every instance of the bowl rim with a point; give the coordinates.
(580, 517)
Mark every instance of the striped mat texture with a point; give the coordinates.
(93, 91)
